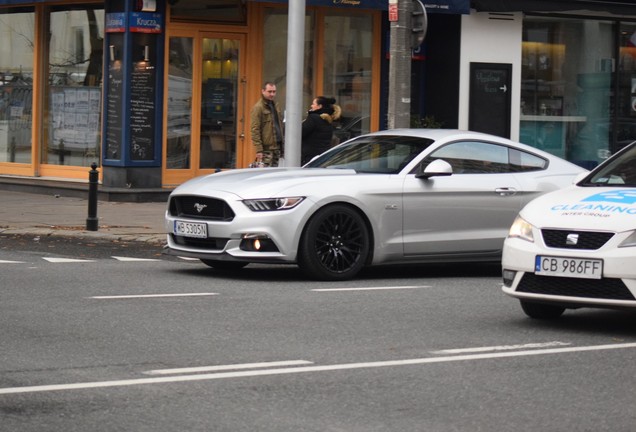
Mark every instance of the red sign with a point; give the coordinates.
(393, 12)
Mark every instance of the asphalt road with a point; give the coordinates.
(117, 337)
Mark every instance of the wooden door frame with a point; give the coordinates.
(173, 177)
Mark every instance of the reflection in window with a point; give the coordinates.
(73, 91)
(347, 70)
(275, 54)
(625, 126)
(179, 103)
(16, 84)
(567, 74)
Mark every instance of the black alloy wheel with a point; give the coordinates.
(335, 244)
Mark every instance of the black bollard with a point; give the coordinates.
(61, 151)
(12, 150)
(91, 220)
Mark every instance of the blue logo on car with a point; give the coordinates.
(625, 196)
(602, 204)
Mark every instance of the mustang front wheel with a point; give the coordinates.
(335, 244)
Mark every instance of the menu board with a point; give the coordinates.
(218, 95)
(113, 130)
(142, 112)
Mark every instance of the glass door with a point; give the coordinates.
(219, 90)
(204, 105)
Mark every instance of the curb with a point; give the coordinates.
(158, 239)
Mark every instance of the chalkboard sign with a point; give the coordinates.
(489, 106)
(114, 113)
(142, 113)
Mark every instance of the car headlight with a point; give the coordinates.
(272, 204)
(521, 229)
(629, 241)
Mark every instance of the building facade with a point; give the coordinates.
(158, 92)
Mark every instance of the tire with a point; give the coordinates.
(224, 265)
(541, 310)
(335, 244)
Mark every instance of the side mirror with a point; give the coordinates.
(438, 167)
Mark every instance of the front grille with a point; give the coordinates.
(588, 240)
(200, 208)
(211, 243)
(606, 288)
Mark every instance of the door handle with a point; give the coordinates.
(505, 191)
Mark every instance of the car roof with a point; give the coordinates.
(436, 134)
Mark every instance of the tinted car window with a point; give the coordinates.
(521, 161)
(373, 154)
(470, 157)
(473, 157)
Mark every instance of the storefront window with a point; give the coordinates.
(625, 129)
(73, 90)
(347, 70)
(179, 103)
(275, 54)
(567, 79)
(16, 84)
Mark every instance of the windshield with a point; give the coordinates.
(618, 172)
(373, 154)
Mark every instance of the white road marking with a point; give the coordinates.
(11, 262)
(501, 348)
(127, 259)
(307, 369)
(189, 259)
(227, 367)
(371, 288)
(66, 260)
(133, 296)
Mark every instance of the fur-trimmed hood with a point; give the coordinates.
(337, 111)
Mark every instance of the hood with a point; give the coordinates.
(261, 182)
(584, 208)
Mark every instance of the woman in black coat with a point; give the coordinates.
(317, 131)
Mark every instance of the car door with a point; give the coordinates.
(468, 212)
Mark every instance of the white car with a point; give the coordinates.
(396, 196)
(576, 247)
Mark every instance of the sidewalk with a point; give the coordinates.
(57, 215)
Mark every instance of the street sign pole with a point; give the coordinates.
(408, 29)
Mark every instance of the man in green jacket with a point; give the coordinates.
(267, 127)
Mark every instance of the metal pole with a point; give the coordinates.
(294, 98)
(93, 178)
(399, 109)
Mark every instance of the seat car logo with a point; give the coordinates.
(625, 196)
(199, 207)
(572, 239)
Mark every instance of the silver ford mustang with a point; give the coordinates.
(396, 196)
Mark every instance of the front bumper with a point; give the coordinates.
(229, 240)
(616, 288)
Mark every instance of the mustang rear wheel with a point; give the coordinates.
(224, 265)
(335, 244)
(541, 310)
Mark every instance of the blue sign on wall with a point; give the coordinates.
(145, 22)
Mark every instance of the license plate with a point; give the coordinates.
(190, 229)
(568, 267)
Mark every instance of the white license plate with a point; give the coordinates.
(568, 267)
(190, 229)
